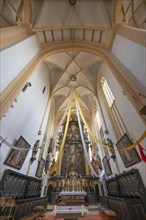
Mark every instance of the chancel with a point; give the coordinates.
(72, 110)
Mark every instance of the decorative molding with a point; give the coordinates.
(133, 34)
(12, 35)
(117, 11)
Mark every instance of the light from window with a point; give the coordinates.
(107, 92)
(90, 154)
(98, 119)
(56, 156)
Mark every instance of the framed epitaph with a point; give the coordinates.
(17, 157)
(107, 166)
(129, 157)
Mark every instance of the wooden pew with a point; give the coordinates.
(107, 214)
(6, 206)
(38, 212)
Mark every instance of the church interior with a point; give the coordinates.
(73, 109)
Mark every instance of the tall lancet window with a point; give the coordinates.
(113, 110)
(107, 92)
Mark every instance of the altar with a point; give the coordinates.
(72, 190)
(72, 198)
(70, 212)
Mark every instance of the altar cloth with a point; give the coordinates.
(76, 193)
(69, 212)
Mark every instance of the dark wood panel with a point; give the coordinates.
(19, 186)
(126, 196)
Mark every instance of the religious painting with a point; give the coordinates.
(107, 166)
(41, 165)
(129, 157)
(73, 159)
(17, 157)
(73, 133)
(73, 156)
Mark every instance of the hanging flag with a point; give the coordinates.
(143, 156)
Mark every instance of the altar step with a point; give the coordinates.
(91, 208)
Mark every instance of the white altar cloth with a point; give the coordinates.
(79, 193)
(69, 212)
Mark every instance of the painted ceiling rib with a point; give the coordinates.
(63, 74)
(88, 89)
(7, 19)
(52, 34)
(144, 21)
(100, 37)
(135, 22)
(143, 2)
(19, 6)
(27, 6)
(72, 34)
(39, 16)
(125, 12)
(83, 103)
(66, 15)
(79, 18)
(2, 4)
(105, 14)
(83, 34)
(62, 35)
(89, 64)
(55, 64)
(45, 38)
(72, 27)
(13, 9)
(92, 35)
(57, 90)
(73, 58)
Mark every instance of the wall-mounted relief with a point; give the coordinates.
(41, 165)
(107, 166)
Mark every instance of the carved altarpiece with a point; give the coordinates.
(73, 154)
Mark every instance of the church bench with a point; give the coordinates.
(38, 213)
(30, 217)
(107, 214)
(5, 217)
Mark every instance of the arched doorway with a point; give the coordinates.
(97, 192)
(50, 188)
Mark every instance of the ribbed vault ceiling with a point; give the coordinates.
(74, 69)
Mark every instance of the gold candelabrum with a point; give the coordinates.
(73, 182)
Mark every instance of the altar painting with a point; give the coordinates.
(73, 155)
(73, 159)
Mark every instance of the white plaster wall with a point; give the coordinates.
(132, 56)
(133, 122)
(109, 126)
(15, 58)
(26, 116)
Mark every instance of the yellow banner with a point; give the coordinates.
(94, 137)
(64, 136)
